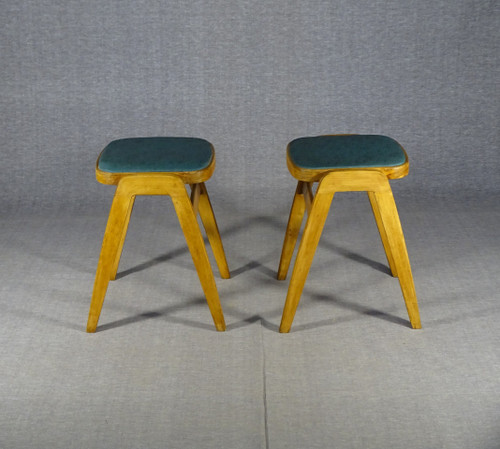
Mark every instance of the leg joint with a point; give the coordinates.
(352, 180)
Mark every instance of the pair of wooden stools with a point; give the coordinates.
(339, 163)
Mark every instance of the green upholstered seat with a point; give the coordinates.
(156, 154)
(348, 151)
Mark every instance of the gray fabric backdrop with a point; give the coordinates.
(249, 76)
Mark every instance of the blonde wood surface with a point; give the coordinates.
(195, 196)
(151, 184)
(392, 225)
(308, 195)
(212, 230)
(369, 179)
(376, 182)
(194, 239)
(116, 262)
(112, 237)
(307, 248)
(292, 230)
(383, 233)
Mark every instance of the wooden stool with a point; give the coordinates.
(160, 166)
(344, 163)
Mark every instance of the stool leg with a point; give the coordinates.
(114, 268)
(307, 248)
(194, 239)
(210, 224)
(383, 233)
(292, 230)
(112, 237)
(395, 237)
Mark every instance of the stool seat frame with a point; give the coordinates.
(375, 181)
(129, 185)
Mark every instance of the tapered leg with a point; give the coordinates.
(395, 237)
(210, 224)
(292, 231)
(112, 237)
(194, 239)
(116, 262)
(383, 233)
(307, 248)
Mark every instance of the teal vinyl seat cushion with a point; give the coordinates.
(346, 151)
(156, 154)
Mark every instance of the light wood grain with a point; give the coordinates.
(308, 195)
(212, 230)
(395, 237)
(155, 184)
(195, 196)
(116, 262)
(344, 180)
(194, 239)
(111, 242)
(305, 254)
(375, 181)
(383, 233)
(292, 230)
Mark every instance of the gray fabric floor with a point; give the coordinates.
(351, 374)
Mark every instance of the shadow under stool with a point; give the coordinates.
(344, 163)
(160, 166)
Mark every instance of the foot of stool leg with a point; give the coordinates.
(307, 248)
(112, 238)
(194, 239)
(392, 225)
